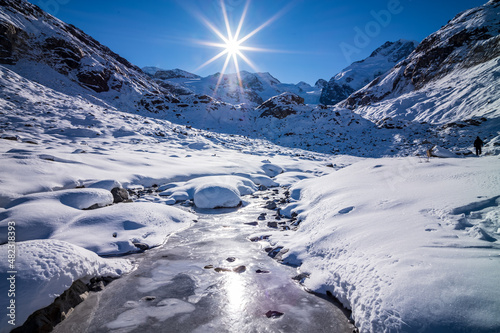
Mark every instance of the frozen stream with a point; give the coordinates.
(209, 278)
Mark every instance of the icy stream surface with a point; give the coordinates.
(209, 278)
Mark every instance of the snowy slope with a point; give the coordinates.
(451, 76)
(62, 57)
(409, 246)
(53, 144)
(362, 72)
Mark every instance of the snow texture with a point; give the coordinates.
(406, 245)
(45, 269)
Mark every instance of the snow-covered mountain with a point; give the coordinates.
(362, 72)
(60, 56)
(405, 243)
(77, 65)
(255, 87)
(452, 75)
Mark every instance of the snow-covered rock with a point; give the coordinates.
(45, 269)
(280, 106)
(442, 152)
(216, 196)
(212, 191)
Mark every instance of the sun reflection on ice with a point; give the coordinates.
(235, 289)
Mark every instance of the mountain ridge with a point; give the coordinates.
(256, 87)
(450, 76)
(362, 72)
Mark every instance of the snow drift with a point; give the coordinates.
(407, 245)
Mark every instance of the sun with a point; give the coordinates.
(231, 43)
(232, 47)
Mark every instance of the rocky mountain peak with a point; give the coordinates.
(469, 42)
(321, 83)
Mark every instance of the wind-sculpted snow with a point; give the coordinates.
(409, 246)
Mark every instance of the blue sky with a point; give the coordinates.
(306, 39)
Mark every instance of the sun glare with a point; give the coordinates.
(232, 45)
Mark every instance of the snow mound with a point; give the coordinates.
(108, 230)
(108, 184)
(116, 229)
(272, 170)
(46, 268)
(77, 198)
(442, 152)
(216, 196)
(211, 191)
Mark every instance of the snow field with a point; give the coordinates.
(396, 241)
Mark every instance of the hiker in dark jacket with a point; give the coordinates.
(478, 143)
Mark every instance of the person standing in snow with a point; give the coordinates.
(478, 144)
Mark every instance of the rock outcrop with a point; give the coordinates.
(280, 106)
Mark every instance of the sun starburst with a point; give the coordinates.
(232, 45)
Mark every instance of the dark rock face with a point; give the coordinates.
(280, 106)
(334, 93)
(44, 320)
(95, 80)
(63, 52)
(434, 59)
(11, 43)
